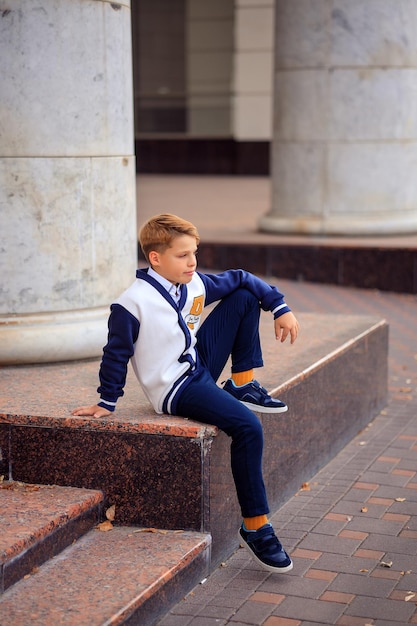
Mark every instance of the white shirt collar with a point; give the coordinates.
(173, 290)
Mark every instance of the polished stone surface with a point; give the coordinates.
(126, 575)
(170, 472)
(38, 521)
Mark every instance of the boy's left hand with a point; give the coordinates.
(285, 325)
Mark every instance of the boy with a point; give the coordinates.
(155, 324)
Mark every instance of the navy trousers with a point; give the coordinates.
(231, 329)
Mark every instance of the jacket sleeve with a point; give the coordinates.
(123, 333)
(220, 285)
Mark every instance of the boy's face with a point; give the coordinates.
(178, 263)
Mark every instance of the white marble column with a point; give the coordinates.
(67, 175)
(344, 153)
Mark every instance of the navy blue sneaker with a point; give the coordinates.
(264, 547)
(255, 397)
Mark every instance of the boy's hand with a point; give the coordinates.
(285, 325)
(94, 411)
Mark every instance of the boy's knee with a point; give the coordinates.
(244, 297)
(252, 426)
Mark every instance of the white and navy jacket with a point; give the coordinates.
(158, 336)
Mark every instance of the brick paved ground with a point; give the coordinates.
(352, 531)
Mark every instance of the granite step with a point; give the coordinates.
(126, 575)
(39, 521)
(172, 473)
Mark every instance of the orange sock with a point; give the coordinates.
(241, 378)
(254, 523)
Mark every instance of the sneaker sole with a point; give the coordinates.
(264, 409)
(269, 568)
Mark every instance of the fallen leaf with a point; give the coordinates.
(410, 596)
(364, 570)
(105, 526)
(400, 499)
(349, 518)
(362, 443)
(364, 509)
(305, 487)
(386, 563)
(111, 513)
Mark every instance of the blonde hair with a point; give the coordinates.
(159, 232)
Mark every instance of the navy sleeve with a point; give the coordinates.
(220, 285)
(123, 333)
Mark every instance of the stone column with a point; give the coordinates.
(67, 175)
(344, 153)
(253, 70)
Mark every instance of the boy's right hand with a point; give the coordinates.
(94, 411)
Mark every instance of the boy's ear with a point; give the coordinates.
(153, 257)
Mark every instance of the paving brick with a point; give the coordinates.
(353, 534)
(281, 621)
(218, 612)
(320, 574)
(306, 554)
(369, 554)
(253, 612)
(408, 534)
(390, 459)
(387, 543)
(336, 545)
(404, 596)
(337, 596)
(337, 517)
(309, 609)
(396, 517)
(263, 596)
(387, 573)
(297, 586)
(405, 508)
(349, 620)
(397, 612)
(362, 584)
(387, 502)
(403, 472)
(175, 620)
(366, 485)
(349, 509)
(345, 564)
(385, 526)
(408, 581)
(329, 527)
(206, 621)
(230, 599)
(388, 492)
